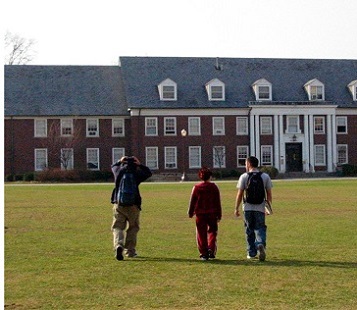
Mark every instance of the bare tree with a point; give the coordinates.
(18, 50)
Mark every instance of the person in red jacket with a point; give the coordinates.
(205, 203)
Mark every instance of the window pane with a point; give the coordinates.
(266, 153)
(195, 156)
(194, 127)
(242, 154)
(170, 157)
(151, 157)
(242, 125)
(93, 159)
(219, 157)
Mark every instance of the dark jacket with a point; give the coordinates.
(141, 173)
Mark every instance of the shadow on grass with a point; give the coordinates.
(245, 262)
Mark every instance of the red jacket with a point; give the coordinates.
(205, 198)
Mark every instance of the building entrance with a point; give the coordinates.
(293, 157)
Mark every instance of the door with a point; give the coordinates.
(293, 157)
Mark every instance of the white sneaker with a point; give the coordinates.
(262, 253)
(251, 257)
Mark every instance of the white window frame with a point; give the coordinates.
(215, 87)
(151, 124)
(69, 158)
(266, 152)
(152, 157)
(289, 124)
(168, 90)
(40, 128)
(342, 149)
(117, 153)
(257, 87)
(266, 125)
(194, 153)
(242, 155)
(218, 126)
(341, 121)
(93, 158)
(353, 89)
(170, 129)
(320, 154)
(170, 157)
(194, 126)
(66, 127)
(219, 156)
(319, 128)
(312, 88)
(41, 159)
(92, 127)
(241, 126)
(118, 127)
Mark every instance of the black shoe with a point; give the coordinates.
(210, 254)
(119, 253)
(204, 257)
(262, 253)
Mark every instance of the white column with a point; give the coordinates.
(334, 142)
(306, 146)
(282, 162)
(257, 137)
(329, 144)
(252, 134)
(276, 143)
(311, 142)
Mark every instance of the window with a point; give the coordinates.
(266, 126)
(170, 157)
(151, 126)
(118, 126)
(66, 127)
(93, 159)
(262, 90)
(40, 128)
(215, 90)
(194, 156)
(242, 126)
(152, 157)
(292, 124)
(242, 155)
(266, 155)
(170, 126)
(40, 159)
(117, 153)
(92, 127)
(341, 124)
(319, 155)
(168, 90)
(194, 126)
(315, 90)
(67, 159)
(218, 126)
(319, 125)
(219, 157)
(353, 89)
(342, 155)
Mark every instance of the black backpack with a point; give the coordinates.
(255, 191)
(128, 189)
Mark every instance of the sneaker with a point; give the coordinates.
(262, 254)
(131, 255)
(119, 253)
(211, 254)
(204, 257)
(251, 257)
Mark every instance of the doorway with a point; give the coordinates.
(293, 157)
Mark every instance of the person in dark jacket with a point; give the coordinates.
(125, 226)
(205, 203)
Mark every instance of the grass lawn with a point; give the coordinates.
(58, 250)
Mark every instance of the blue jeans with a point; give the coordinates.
(256, 231)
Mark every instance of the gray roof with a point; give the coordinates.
(64, 90)
(288, 77)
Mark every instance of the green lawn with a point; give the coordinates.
(58, 250)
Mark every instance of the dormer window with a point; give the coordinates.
(262, 90)
(168, 90)
(353, 89)
(315, 90)
(215, 90)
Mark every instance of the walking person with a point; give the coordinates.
(205, 204)
(254, 188)
(126, 209)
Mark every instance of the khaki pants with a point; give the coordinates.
(125, 227)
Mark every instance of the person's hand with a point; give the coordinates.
(136, 160)
(236, 213)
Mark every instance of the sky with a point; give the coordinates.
(76, 32)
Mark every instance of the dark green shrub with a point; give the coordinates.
(272, 171)
(349, 170)
(29, 176)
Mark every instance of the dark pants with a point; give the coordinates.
(206, 233)
(255, 229)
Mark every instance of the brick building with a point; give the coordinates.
(177, 114)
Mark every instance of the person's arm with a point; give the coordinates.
(239, 199)
(193, 199)
(269, 196)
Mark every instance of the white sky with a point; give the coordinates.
(76, 32)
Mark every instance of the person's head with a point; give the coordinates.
(204, 173)
(129, 161)
(251, 162)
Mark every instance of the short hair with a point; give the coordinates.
(254, 162)
(204, 173)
